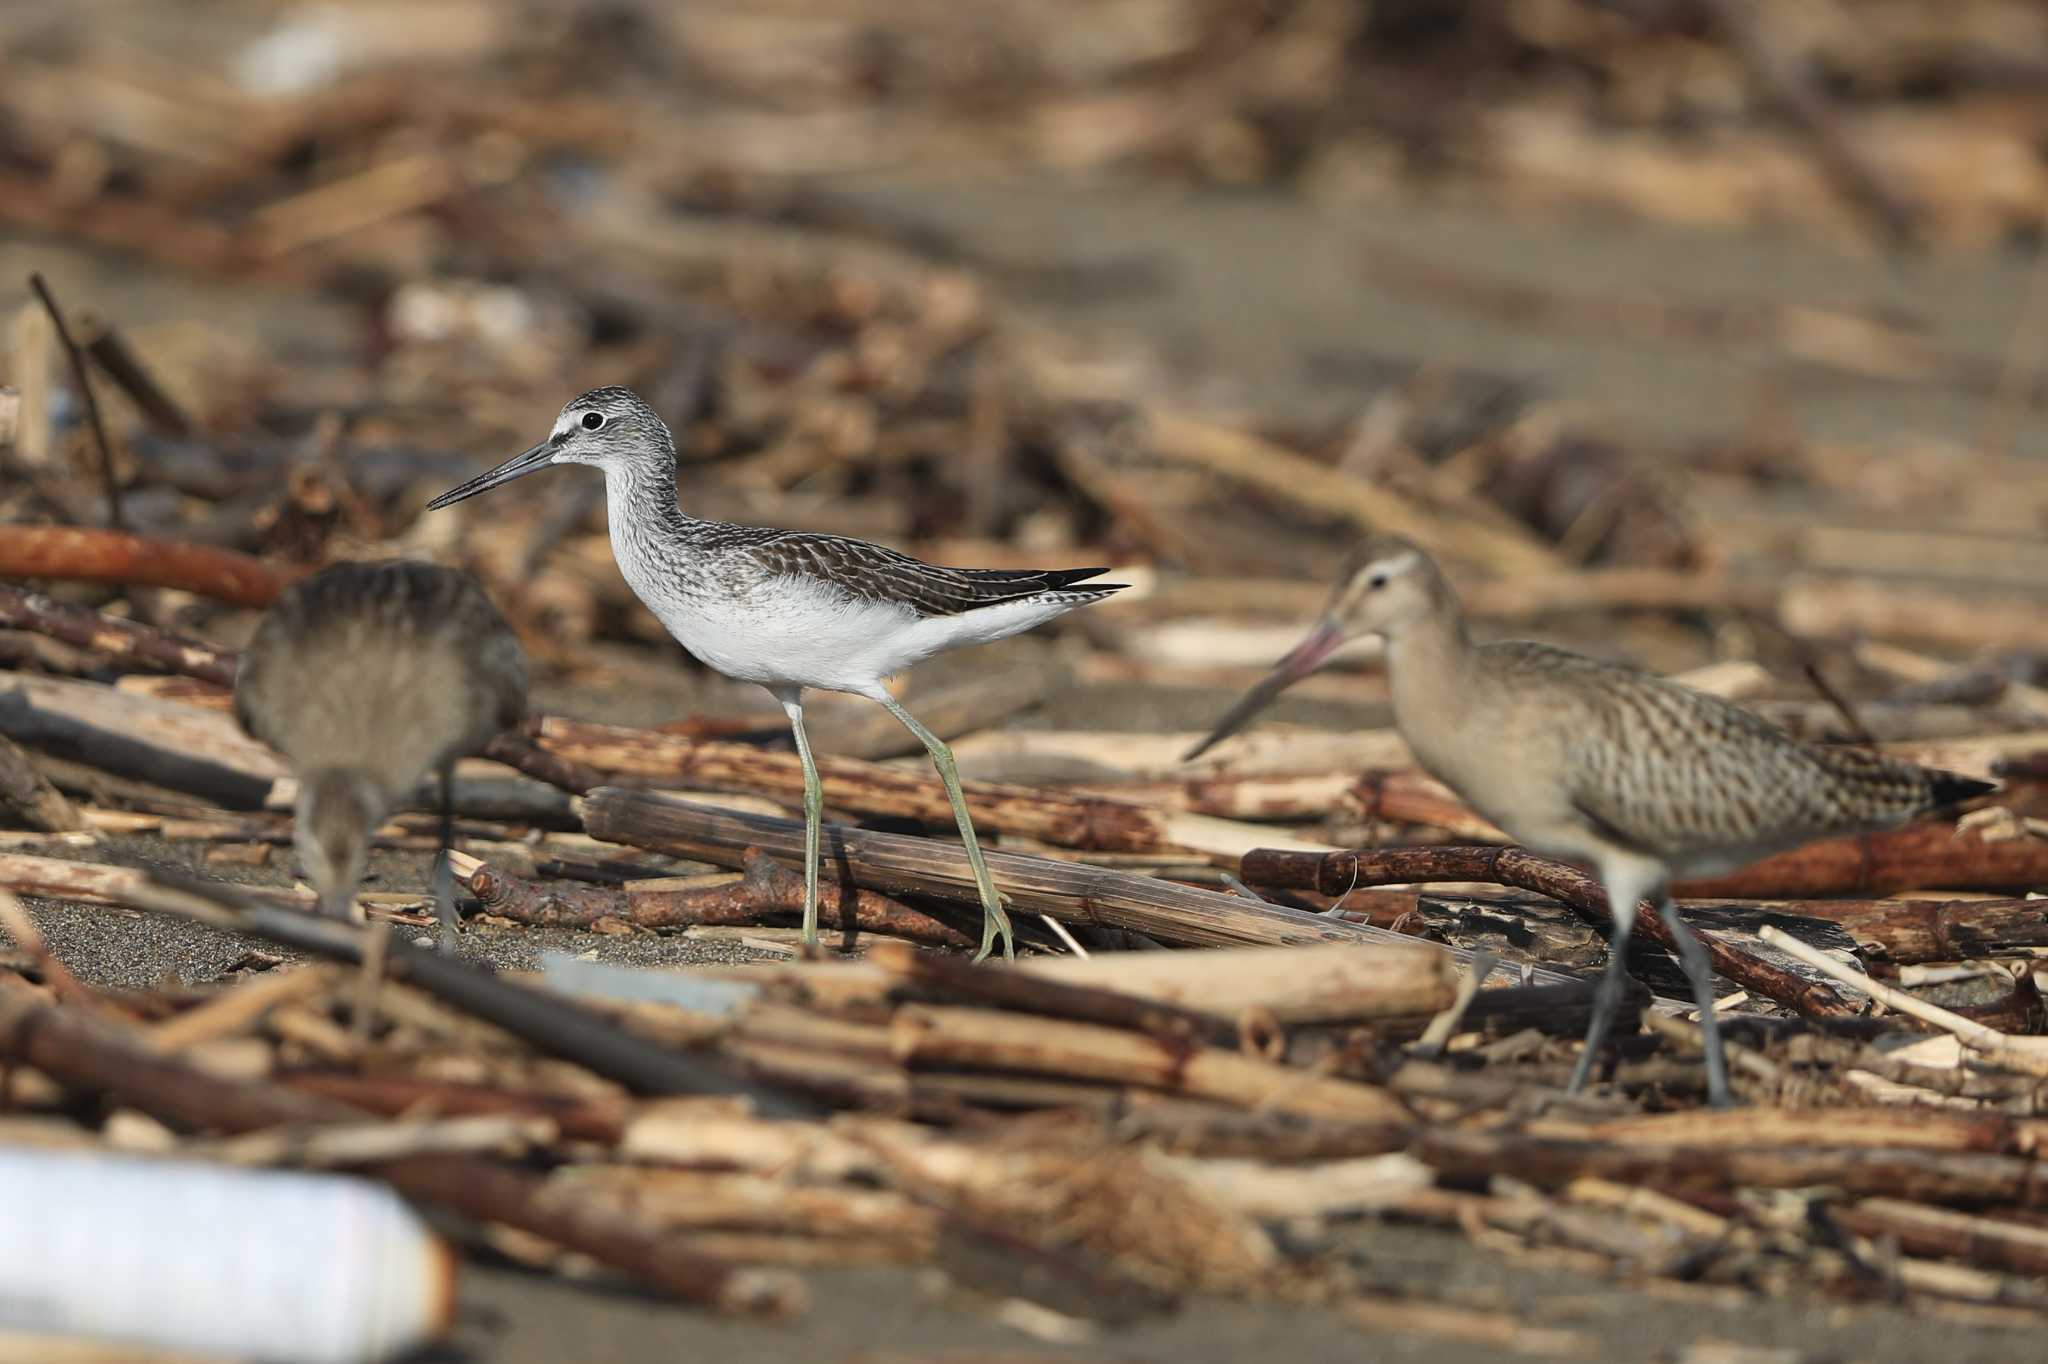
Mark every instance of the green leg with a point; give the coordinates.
(814, 810)
(994, 920)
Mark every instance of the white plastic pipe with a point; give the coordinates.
(212, 1259)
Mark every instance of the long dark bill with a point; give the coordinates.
(519, 466)
(1304, 659)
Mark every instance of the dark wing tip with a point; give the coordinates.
(1949, 788)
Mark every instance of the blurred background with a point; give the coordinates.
(1686, 330)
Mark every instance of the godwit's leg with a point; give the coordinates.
(1700, 971)
(995, 921)
(1627, 881)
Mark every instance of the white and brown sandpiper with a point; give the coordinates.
(1641, 778)
(367, 677)
(791, 609)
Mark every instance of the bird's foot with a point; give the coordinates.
(995, 922)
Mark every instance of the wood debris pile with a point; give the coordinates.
(412, 245)
(265, 144)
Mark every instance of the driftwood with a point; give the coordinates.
(1334, 873)
(930, 1035)
(1336, 983)
(1066, 820)
(94, 1057)
(558, 1026)
(1075, 892)
(1921, 855)
(767, 889)
(186, 749)
(1911, 931)
(109, 556)
(28, 793)
(1935, 1176)
(1052, 997)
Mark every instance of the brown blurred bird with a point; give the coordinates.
(367, 677)
(1641, 778)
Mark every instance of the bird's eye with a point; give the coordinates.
(592, 420)
(1376, 581)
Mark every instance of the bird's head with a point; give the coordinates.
(608, 427)
(1387, 586)
(337, 811)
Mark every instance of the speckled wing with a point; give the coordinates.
(870, 572)
(1676, 773)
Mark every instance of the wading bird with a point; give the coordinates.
(1643, 779)
(791, 609)
(367, 677)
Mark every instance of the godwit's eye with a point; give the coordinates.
(592, 420)
(1376, 581)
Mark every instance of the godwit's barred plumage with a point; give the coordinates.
(790, 609)
(1641, 778)
(367, 677)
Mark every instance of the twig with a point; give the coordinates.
(1788, 87)
(1445, 1025)
(766, 888)
(2012, 1052)
(92, 406)
(113, 355)
(18, 926)
(1858, 731)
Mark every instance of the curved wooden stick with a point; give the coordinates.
(1335, 873)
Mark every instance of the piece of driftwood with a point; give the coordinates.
(79, 554)
(1990, 1241)
(1333, 873)
(1055, 998)
(28, 793)
(98, 1059)
(1059, 818)
(1917, 1129)
(1931, 856)
(1967, 1178)
(161, 742)
(1075, 892)
(933, 1035)
(549, 1022)
(766, 889)
(1912, 931)
(1329, 984)
(2028, 1055)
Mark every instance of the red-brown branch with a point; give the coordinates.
(111, 556)
(1335, 873)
